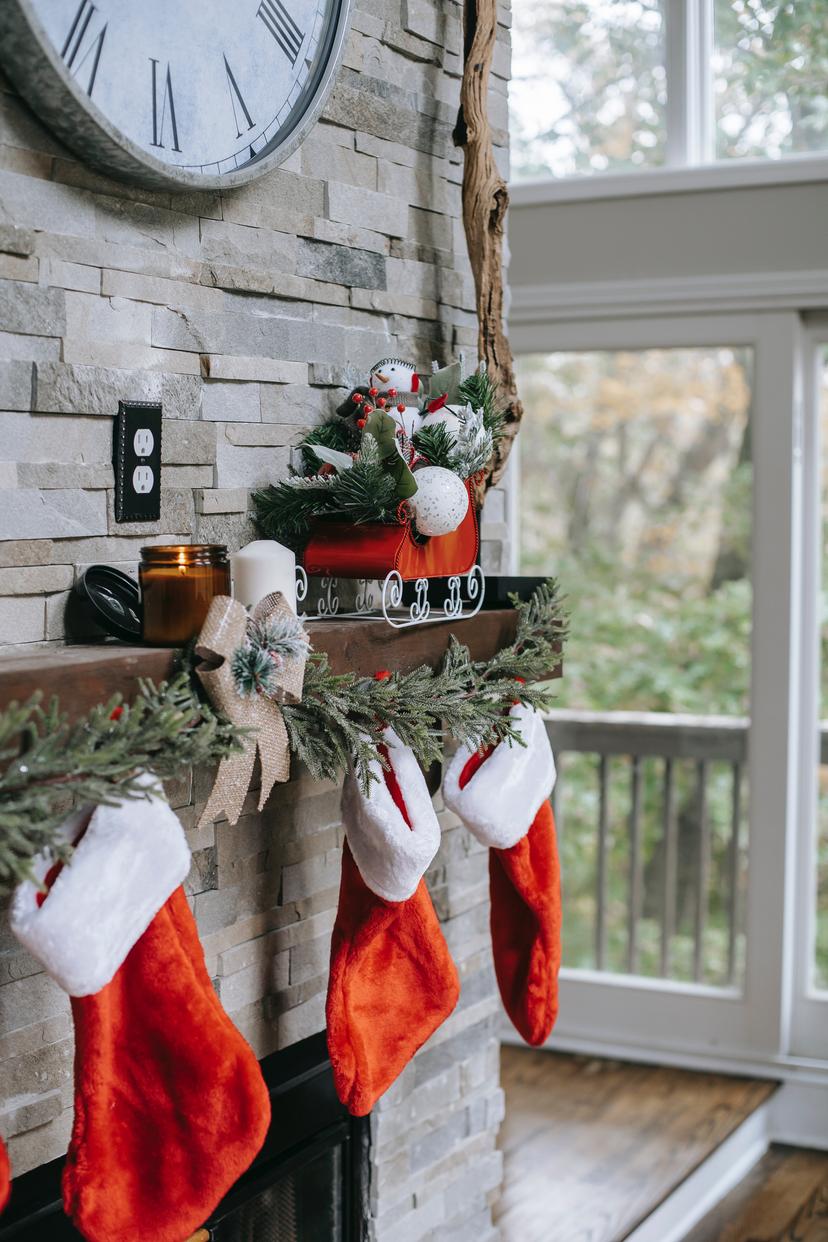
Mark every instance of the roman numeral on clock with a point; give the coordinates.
(236, 97)
(164, 112)
(83, 46)
(282, 26)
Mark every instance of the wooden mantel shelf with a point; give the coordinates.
(83, 676)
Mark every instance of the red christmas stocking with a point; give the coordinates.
(170, 1105)
(502, 797)
(392, 981)
(5, 1176)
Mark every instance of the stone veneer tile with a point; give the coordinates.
(30, 514)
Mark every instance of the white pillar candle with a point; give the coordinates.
(261, 567)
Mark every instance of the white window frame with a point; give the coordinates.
(809, 1018)
(760, 1025)
(690, 157)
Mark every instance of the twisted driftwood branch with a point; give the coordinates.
(485, 201)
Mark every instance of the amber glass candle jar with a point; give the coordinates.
(178, 581)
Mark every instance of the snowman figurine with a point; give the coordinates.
(394, 373)
(442, 403)
(390, 380)
(438, 410)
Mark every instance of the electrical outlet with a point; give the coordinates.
(137, 460)
(143, 442)
(143, 479)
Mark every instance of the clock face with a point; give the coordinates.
(176, 92)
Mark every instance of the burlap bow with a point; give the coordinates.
(224, 630)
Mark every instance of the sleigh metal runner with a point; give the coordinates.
(371, 598)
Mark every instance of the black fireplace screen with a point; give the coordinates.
(305, 1205)
(307, 1184)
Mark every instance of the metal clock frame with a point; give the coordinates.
(36, 70)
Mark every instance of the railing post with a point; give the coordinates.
(601, 868)
(636, 879)
(733, 871)
(702, 869)
(668, 897)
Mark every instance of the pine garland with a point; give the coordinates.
(97, 759)
(338, 723)
(343, 715)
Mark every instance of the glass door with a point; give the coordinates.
(661, 476)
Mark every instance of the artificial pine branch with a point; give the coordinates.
(437, 444)
(285, 512)
(480, 392)
(335, 434)
(97, 759)
(473, 446)
(365, 493)
(463, 452)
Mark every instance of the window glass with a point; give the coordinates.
(635, 478)
(770, 68)
(588, 87)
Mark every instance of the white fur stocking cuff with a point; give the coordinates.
(131, 858)
(506, 792)
(391, 856)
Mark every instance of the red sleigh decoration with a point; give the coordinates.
(375, 549)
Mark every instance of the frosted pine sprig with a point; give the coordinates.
(281, 635)
(254, 672)
(473, 444)
(318, 482)
(269, 643)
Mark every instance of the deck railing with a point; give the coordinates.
(657, 768)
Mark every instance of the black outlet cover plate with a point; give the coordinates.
(136, 456)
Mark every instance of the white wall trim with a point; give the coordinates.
(809, 1075)
(750, 291)
(707, 1185)
(799, 1115)
(723, 175)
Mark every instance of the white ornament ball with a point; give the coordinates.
(440, 502)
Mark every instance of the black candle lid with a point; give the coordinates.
(112, 600)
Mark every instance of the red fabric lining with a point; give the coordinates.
(5, 1177)
(474, 762)
(55, 870)
(394, 785)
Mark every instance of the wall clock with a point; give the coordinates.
(181, 94)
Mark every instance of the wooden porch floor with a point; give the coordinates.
(783, 1199)
(592, 1147)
